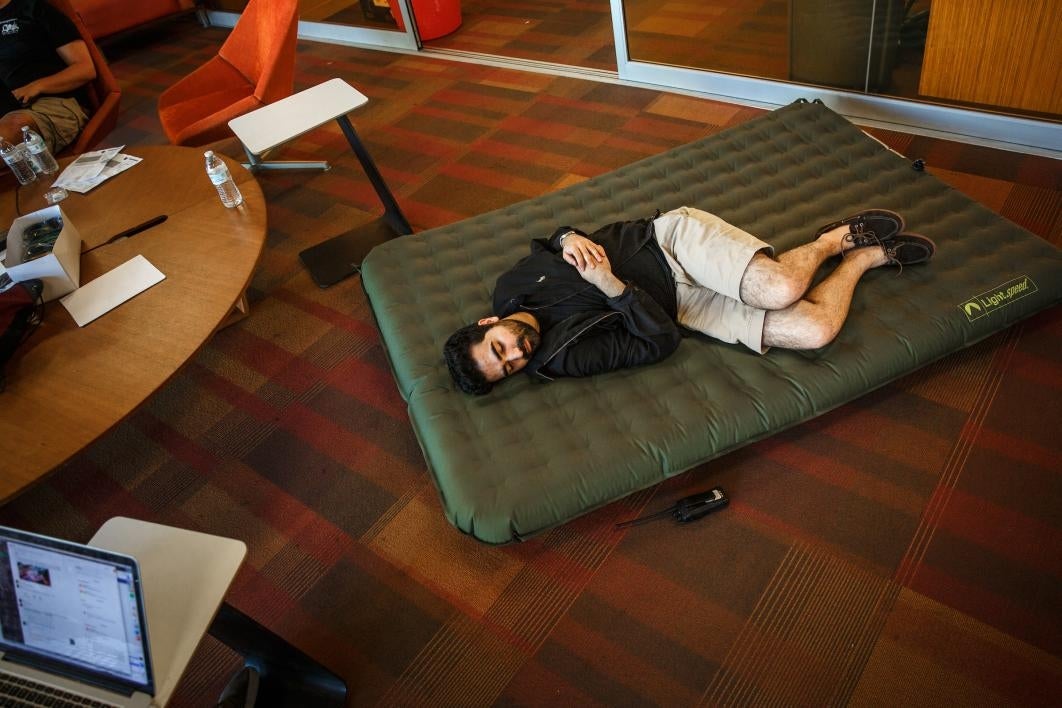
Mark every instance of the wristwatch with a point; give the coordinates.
(560, 241)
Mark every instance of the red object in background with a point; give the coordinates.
(435, 18)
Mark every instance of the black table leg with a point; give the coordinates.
(392, 213)
(340, 256)
(288, 677)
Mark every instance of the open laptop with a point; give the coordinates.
(72, 621)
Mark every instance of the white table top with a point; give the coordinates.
(288, 118)
(185, 576)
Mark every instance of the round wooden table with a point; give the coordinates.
(67, 385)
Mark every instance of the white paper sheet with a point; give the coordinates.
(86, 166)
(111, 289)
(118, 163)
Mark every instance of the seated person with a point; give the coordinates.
(43, 61)
(580, 305)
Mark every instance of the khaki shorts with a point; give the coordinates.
(708, 258)
(59, 120)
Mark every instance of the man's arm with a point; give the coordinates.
(635, 332)
(79, 71)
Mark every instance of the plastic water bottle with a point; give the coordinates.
(40, 156)
(16, 157)
(222, 180)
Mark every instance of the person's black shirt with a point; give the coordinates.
(648, 269)
(585, 332)
(30, 32)
(645, 267)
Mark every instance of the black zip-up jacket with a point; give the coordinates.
(584, 331)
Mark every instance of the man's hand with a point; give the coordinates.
(28, 93)
(582, 253)
(592, 262)
(600, 275)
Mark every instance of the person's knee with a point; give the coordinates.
(768, 286)
(784, 290)
(817, 334)
(797, 328)
(11, 125)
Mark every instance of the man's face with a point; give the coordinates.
(505, 349)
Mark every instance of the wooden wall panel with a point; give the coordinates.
(1005, 53)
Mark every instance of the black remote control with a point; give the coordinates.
(698, 506)
(687, 509)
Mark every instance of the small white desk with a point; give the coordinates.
(185, 575)
(270, 126)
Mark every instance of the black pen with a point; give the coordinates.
(132, 231)
(137, 229)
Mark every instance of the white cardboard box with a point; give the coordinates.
(60, 270)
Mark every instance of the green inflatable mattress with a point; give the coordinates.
(530, 456)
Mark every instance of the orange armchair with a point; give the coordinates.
(255, 66)
(103, 92)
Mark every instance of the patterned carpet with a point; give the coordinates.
(904, 549)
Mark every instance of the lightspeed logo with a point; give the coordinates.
(999, 296)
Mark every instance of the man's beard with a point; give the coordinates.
(527, 336)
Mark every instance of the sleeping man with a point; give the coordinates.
(581, 304)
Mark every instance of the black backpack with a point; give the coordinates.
(21, 310)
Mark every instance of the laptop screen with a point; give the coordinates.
(77, 608)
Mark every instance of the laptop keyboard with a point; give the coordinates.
(18, 691)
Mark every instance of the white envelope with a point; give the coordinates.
(111, 289)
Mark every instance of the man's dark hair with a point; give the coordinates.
(463, 369)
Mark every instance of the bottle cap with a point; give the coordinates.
(208, 153)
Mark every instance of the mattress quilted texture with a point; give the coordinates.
(530, 456)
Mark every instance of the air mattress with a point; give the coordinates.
(530, 456)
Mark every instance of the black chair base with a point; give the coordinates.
(340, 256)
(286, 676)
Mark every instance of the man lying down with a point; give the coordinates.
(584, 304)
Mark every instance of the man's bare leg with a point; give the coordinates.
(776, 283)
(815, 320)
(11, 125)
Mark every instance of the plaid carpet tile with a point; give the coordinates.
(904, 549)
